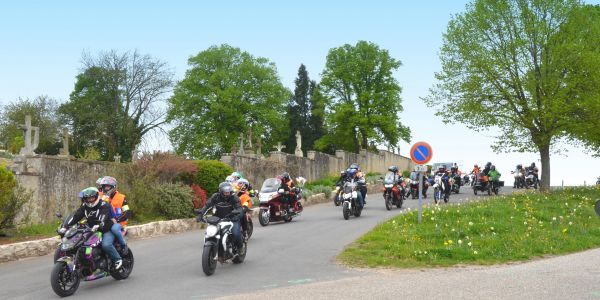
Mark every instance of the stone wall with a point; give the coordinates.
(315, 166)
(55, 182)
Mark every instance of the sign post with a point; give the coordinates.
(421, 153)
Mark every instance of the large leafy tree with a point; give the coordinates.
(365, 98)
(305, 112)
(117, 100)
(43, 112)
(225, 93)
(528, 68)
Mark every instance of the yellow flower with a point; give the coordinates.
(475, 252)
(450, 242)
(445, 243)
(470, 223)
(564, 230)
(491, 228)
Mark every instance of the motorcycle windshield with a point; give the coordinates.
(270, 185)
(349, 186)
(389, 178)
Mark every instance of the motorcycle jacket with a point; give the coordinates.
(224, 205)
(100, 215)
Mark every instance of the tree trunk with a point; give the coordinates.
(545, 178)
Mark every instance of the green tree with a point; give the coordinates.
(43, 111)
(317, 117)
(226, 92)
(365, 98)
(117, 100)
(523, 67)
(300, 110)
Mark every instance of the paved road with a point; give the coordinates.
(279, 255)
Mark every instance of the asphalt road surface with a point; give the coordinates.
(279, 255)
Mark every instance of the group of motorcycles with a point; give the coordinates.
(525, 178)
(218, 238)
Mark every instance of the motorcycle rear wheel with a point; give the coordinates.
(125, 269)
(209, 264)
(241, 255)
(57, 280)
(357, 212)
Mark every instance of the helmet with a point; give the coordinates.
(493, 167)
(243, 184)
(393, 169)
(99, 184)
(519, 167)
(285, 176)
(533, 165)
(230, 179)
(90, 196)
(225, 189)
(236, 175)
(489, 164)
(351, 172)
(354, 166)
(475, 166)
(108, 185)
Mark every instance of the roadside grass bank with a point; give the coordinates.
(498, 230)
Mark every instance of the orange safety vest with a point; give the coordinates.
(245, 198)
(117, 203)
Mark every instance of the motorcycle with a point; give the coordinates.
(271, 203)
(530, 180)
(350, 204)
(495, 186)
(84, 259)
(439, 187)
(393, 191)
(414, 188)
(247, 225)
(337, 200)
(481, 184)
(456, 183)
(519, 179)
(218, 244)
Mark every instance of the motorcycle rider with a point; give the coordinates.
(455, 174)
(519, 173)
(120, 211)
(494, 175)
(353, 174)
(362, 186)
(226, 203)
(340, 182)
(445, 176)
(287, 184)
(99, 215)
(397, 178)
(245, 200)
(486, 169)
(534, 170)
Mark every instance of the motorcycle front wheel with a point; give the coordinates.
(264, 218)
(209, 262)
(388, 202)
(64, 283)
(346, 211)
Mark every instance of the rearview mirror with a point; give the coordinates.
(58, 215)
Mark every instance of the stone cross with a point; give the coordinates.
(64, 151)
(279, 147)
(298, 151)
(241, 150)
(118, 158)
(250, 139)
(29, 145)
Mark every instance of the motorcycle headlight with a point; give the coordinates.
(211, 230)
(387, 186)
(347, 195)
(67, 244)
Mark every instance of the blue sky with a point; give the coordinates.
(41, 43)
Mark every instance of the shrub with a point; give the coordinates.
(12, 198)
(373, 177)
(210, 173)
(199, 196)
(175, 201)
(406, 173)
(90, 154)
(164, 167)
(321, 189)
(328, 181)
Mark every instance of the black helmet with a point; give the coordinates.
(519, 167)
(393, 169)
(225, 187)
(285, 175)
(493, 167)
(489, 164)
(533, 165)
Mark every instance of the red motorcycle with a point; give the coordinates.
(393, 191)
(271, 202)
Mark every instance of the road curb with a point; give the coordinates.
(16, 251)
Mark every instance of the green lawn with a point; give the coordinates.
(502, 229)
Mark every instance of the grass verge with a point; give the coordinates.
(502, 229)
